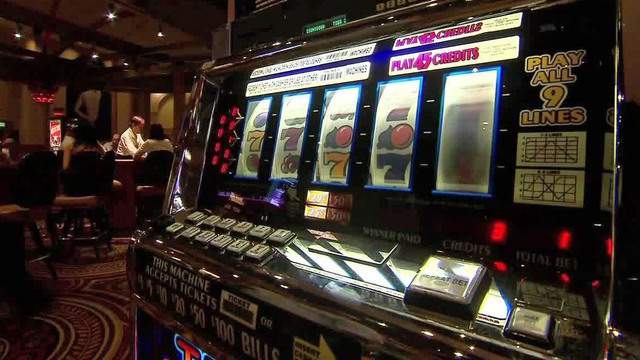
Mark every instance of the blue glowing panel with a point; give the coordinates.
(290, 135)
(394, 134)
(339, 119)
(253, 137)
(467, 132)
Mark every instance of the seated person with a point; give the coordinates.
(157, 142)
(131, 140)
(111, 145)
(79, 158)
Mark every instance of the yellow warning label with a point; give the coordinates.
(304, 350)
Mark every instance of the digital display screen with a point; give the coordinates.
(290, 135)
(316, 197)
(253, 137)
(339, 119)
(394, 133)
(467, 131)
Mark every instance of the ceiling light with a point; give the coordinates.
(160, 33)
(18, 33)
(95, 55)
(111, 12)
(125, 63)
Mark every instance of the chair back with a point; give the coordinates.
(156, 168)
(106, 172)
(37, 179)
(82, 178)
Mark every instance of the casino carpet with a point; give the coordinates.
(86, 317)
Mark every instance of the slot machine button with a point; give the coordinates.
(196, 217)
(281, 236)
(260, 232)
(242, 228)
(174, 228)
(205, 237)
(238, 247)
(211, 221)
(189, 233)
(531, 324)
(259, 252)
(221, 241)
(225, 224)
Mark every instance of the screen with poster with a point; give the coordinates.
(253, 137)
(467, 131)
(339, 123)
(394, 133)
(290, 135)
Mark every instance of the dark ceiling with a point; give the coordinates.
(59, 38)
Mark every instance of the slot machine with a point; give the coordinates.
(436, 182)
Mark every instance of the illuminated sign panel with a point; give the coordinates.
(456, 56)
(458, 32)
(310, 61)
(337, 75)
(253, 137)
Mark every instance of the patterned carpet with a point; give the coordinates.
(86, 314)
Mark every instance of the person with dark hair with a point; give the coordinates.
(157, 142)
(131, 139)
(84, 140)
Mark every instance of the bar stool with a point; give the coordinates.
(35, 188)
(87, 192)
(152, 183)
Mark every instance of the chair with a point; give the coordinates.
(151, 183)
(87, 188)
(35, 188)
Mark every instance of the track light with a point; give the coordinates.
(160, 33)
(111, 12)
(18, 33)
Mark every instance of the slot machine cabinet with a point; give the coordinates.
(435, 183)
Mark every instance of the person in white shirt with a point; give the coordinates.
(131, 140)
(157, 142)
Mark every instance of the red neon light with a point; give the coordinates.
(609, 247)
(224, 168)
(595, 284)
(227, 154)
(565, 278)
(217, 147)
(232, 125)
(220, 133)
(499, 231)
(564, 240)
(235, 111)
(188, 351)
(223, 119)
(500, 266)
(215, 160)
(231, 139)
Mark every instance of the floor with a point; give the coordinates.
(86, 311)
